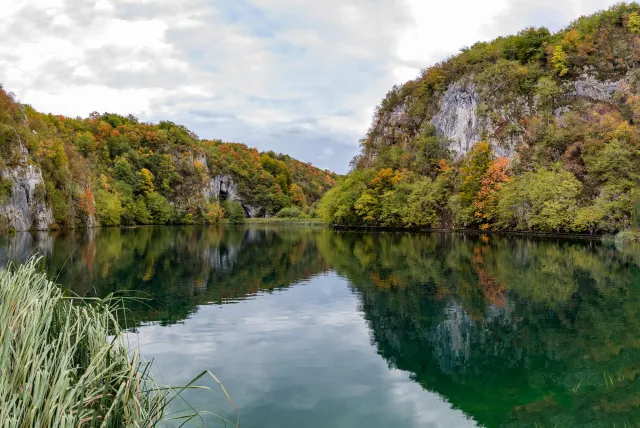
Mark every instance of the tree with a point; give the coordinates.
(338, 204)
(213, 212)
(422, 204)
(474, 167)
(108, 208)
(544, 200)
(297, 195)
(290, 212)
(123, 171)
(6, 189)
(635, 212)
(145, 182)
(159, 207)
(233, 211)
(140, 212)
(547, 91)
(633, 24)
(486, 201)
(559, 61)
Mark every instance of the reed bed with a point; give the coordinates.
(65, 362)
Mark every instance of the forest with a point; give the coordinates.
(555, 120)
(113, 170)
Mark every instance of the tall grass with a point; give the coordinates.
(66, 363)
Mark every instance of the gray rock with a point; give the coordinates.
(251, 211)
(589, 87)
(457, 119)
(22, 209)
(223, 187)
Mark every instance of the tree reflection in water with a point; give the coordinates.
(512, 331)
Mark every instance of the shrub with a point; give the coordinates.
(544, 200)
(213, 212)
(6, 189)
(159, 207)
(289, 212)
(233, 211)
(108, 208)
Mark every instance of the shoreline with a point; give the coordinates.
(594, 237)
(338, 227)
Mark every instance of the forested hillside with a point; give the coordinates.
(109, 170)
(532, 132)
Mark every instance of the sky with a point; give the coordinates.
(300, 77)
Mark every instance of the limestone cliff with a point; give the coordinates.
(25, 208)
(467, 112)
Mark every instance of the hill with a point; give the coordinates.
(532, 132)
(110, 170)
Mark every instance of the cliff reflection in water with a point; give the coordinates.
(512, 331)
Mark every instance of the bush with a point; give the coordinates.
(233, 211)
(213, 213)
(289, 212)
(108, 208)
(6, 189)
(159, 207)
(545, 200)
(5, 226)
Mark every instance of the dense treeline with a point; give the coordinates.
(556, 153)
(121, 171)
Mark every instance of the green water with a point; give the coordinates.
(307, 327)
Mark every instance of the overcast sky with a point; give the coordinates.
(296, 76)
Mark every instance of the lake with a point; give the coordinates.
(309, 327)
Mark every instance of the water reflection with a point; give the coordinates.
(511, 331)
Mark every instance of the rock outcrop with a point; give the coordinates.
(457, 120)
(26, 209)
(223, 187)
(589, 87)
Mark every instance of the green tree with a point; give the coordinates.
(140, 212)
(290, 212)
(159, 207)
(547, 91)
(108, 208)
(123, 171)
(544, 200)
(233, 211)
(426, 202)
(338, 204)
(6, 189)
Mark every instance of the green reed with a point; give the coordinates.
(65, 362)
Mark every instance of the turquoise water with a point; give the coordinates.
(307, 327)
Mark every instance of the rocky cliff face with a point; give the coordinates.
(223, 187)
(25, 209)
(457, 120)
(461, 118)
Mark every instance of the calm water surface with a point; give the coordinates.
(307, 327)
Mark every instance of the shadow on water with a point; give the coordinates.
(512, 331)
